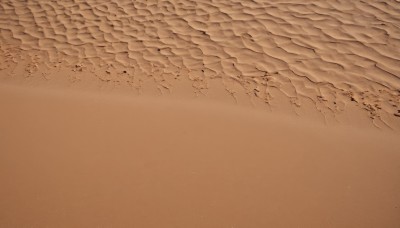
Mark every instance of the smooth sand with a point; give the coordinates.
(182, 113)
(81, 160)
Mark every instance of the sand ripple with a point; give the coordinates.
(331, 52)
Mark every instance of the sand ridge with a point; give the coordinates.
(332, 54)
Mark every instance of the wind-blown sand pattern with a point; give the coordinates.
(330, 53)
(118, 113)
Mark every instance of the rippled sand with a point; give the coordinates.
(332, 54)
(209, 113)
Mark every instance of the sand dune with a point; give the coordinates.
(199, 113)
(72, 159)
(332, 54)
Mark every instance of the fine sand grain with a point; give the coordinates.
(200, 113)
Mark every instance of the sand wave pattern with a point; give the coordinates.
(329, 52)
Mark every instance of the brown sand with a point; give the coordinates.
(79, 160)
(120, 113)
(332, 55)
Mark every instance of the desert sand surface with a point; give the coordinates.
(81, 160)
(208, 113)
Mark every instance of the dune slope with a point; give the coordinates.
(200, 113)
(77, 160)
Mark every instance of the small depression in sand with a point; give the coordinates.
(211, 113)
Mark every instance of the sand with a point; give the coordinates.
(182, 113)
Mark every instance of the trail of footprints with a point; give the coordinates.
(329, 52)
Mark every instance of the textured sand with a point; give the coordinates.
(333, 55)
(209, 113)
